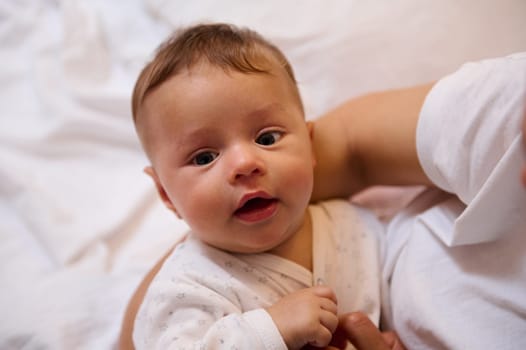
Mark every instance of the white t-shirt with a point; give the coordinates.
(206, 298)
(455, 268)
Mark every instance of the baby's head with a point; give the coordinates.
(221, 46)
(220, 118)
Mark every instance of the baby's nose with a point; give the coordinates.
(245, 162)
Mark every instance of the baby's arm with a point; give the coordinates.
(306, 317)
(186, 315)
(183, 314)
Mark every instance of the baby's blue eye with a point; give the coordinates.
(268, 138)
(204, 158)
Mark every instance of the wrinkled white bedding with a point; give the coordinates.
(79, 221)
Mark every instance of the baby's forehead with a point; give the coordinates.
(266, 62)
(261, 60)
(203, 70)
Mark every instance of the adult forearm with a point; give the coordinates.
(369, 140)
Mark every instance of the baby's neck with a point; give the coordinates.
(298, 248)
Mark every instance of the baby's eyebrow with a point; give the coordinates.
(201, 132)
(266, 111)
(195, 136)
(198, 135)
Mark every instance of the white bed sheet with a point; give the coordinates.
(80, 223)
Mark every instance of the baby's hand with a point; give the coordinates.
(306, 317)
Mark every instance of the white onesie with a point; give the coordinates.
(205, 298)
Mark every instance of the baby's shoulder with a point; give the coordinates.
(193, 258)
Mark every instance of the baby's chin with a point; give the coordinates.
(239, 249)
(248, 250)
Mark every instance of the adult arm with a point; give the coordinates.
(369, 140)
(125, 338)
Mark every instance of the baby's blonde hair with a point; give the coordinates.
(223, 45)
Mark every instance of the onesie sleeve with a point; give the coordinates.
(469, 143)
(184, 315)
(198, 301)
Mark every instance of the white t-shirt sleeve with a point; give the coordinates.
(468, 122)
(469, 144)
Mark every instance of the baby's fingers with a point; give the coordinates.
(321, 338)
(324, 292)
(328, 305)
(328, 322)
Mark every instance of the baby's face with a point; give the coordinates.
(232, 152)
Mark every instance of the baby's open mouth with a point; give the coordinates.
(256, 209)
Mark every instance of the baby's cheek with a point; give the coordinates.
(301, 180)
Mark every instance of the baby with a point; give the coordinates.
(221, 120)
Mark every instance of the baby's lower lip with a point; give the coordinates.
(257, 210)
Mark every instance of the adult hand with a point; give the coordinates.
(363, 334)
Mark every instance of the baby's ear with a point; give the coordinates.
(160, 189)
